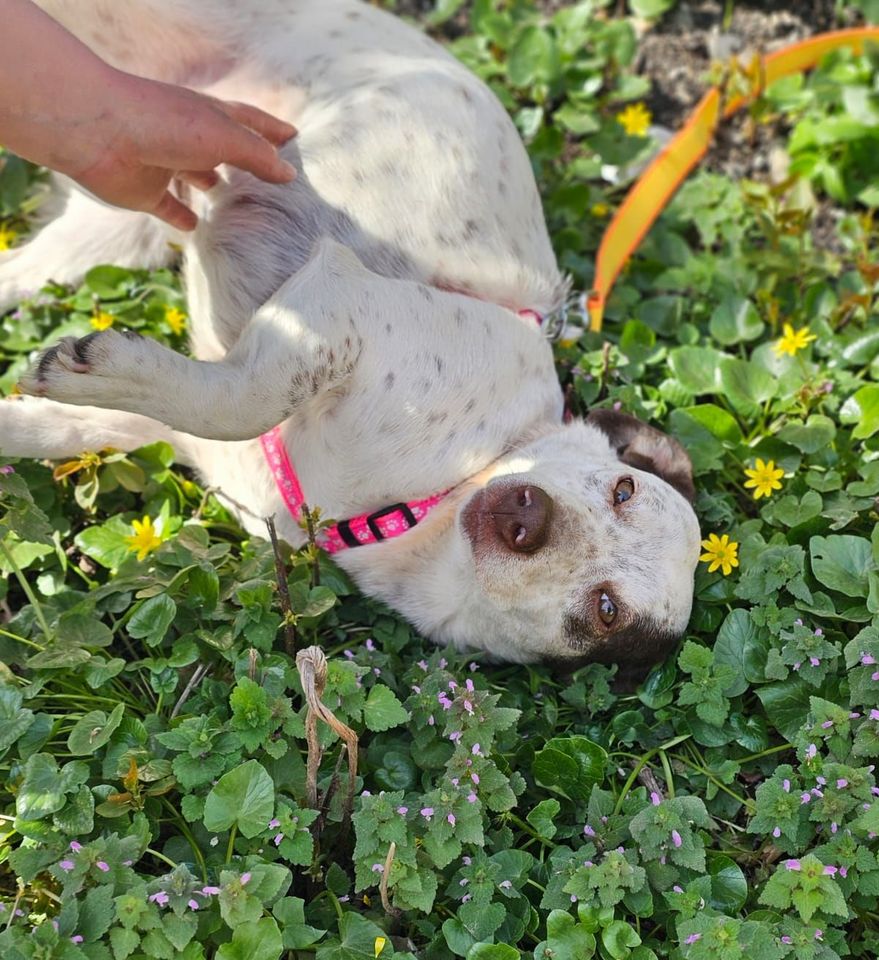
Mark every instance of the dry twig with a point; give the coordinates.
(283, 590)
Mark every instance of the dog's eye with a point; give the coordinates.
(624, 490)
(607, 609)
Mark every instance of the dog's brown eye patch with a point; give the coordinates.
(624, 490)
(607, 610)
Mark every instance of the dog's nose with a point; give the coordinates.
(521, 517)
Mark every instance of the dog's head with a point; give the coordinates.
(583, 546)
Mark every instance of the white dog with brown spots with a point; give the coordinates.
(380, 309)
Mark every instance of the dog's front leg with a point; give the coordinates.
(293, 349)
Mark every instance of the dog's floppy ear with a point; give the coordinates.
(646, 448)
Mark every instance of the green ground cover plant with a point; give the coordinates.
(155, 799)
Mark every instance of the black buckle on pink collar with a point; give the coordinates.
(371, 521)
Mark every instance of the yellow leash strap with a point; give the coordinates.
(665, 173)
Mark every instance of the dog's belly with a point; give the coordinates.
(403, 156)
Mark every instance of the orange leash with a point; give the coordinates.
(665, 173)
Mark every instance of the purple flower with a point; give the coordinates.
(815, 661)
(843, 871)
(453, 685)
(875, 675)
(830, 871)
(678, 888)
(792, 865)
(473, 667)
(210, 891)
(819, 632)
(274, 823)
(430, 721)
(192, 904)
(443, 663)
(378, 868)
(505, 884)
(693, 938)
(370, 646)
(67, 865)
(75, 847)
(349, 654)
(468, 683)
(811, 751)
(676, 838)
(841, 783)
(244, 879)
(827, 724)
(463, 882)
(588, 831)
(468, 706)
(475, 778)
(455, 736)
(867, 659)
(834, 827)
(655, 798)
(278, 837)
(805, 797)
(6, 469)
(76, 938)
(874, 714)
(475, 750)
(785, 785)
(787, 939)
(776, 832)
(402, 811)
(471, 797)
(466, 898)
(103, 866)
(466, 861)
(423, 665)
(427, 812)
(160, 897)
(451, 818)
(819, 934)
(416, 688)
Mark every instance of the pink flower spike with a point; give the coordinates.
(854, 715)
(655, 798)
(468, 706)
(827, 724)
(378, 868)
(834, 827)
(103, 866)
(452, 685)
(815, 661)
(276, 840)
(830, 871)
(475, 750)
(75, 846)
(443, 663)
(416, 688)
(473, 667)
(867, 659)
(466, 898)
(776, 832)
(811, 751)
(427, 812)
(785, 785)
(677, 888)
(67, 865)
(875, 675)
(805, 797)
(274, 823)
(792, 865)
(245, 879)
(466, 861)
(192, 904)
(874, 714)
(797, 665)
(841, 783)
(430, 721)
(402, 811)
(693, 938)
(676, 838)
(819, 934)
(475, 778)
(843, 872)
(370, 646)
(451, 818)
(468, 683)
(161, 898)
(821, 781)
(787, 939)
(819, 632)
(76, 938)
(423, 665)
(349, 654)
(588, 831)
(210, 891)
(471, 797)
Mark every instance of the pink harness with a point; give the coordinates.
(384, 524)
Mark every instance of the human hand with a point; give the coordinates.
(155, 132)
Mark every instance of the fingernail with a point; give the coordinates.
(288, 169)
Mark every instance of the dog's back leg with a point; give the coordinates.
(35, 427)
(85, 233)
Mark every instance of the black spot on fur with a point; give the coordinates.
(46, 361)
(81, 347)
(389, 380)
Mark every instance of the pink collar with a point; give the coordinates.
(384, 524)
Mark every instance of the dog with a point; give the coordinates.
(382, 312)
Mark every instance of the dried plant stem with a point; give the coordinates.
(391, 911)
(312, 666)
(283, 590)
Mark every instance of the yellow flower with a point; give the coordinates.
(379, 945)
(102, 320)
(7, 237)
(793, 340)
(599, 209)
(636, 119)
(176, 320)
(144, 539)
(720, 552)
(764, 478)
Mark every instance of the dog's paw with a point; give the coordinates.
(84, 369)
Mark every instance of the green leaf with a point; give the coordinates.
(735, 320)
(729, 888)
(493, 951)
(542, 817)
(357, 940)
(572, 765)
(94, 730)
(151, 620)
(383, 710)
(253, 940)
(862, 409)
(244, 796)
(565, 939)
(786, 705)
(842, 562)
(533, 57)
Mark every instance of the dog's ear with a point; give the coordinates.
(646, 448)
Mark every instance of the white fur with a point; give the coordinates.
(372, 306)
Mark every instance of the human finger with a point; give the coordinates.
(172, 211)
(276, 131)
(200, 179)
(249, 151)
